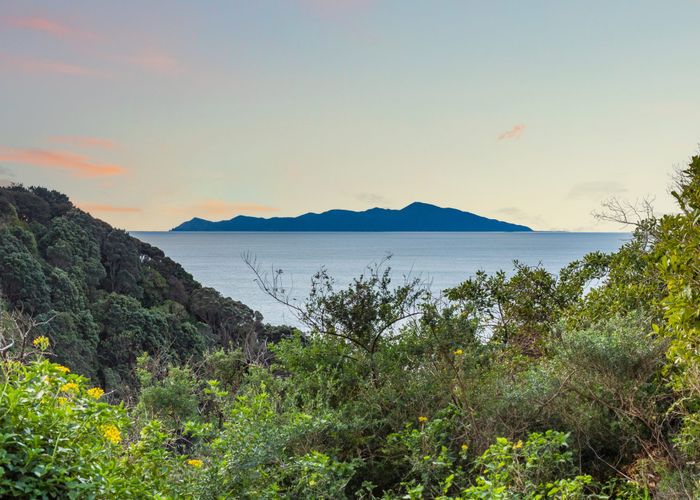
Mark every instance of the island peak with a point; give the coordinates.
(415, 217)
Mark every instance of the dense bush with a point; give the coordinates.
(60, 439)
(109, 296)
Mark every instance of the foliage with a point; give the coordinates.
(364, 315)
(678, 262)
(109, 296)
(516, 311)
(260, 453)
(541, 467)
(527, 384)
(173, 399)
(60, 439)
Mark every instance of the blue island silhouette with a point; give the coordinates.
(414, 217)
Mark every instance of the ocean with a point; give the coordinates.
(441, 259)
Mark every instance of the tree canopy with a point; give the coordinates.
(110, 297)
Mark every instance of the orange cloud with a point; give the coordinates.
(83, 141)
(77, 165)
(211, 208)
(97, 207)
(515, 133)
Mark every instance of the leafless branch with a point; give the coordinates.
(16, 333)
(626, 213)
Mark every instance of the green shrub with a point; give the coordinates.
(541, 467)
(261, 453)
(57, 439)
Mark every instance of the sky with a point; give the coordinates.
(150, 113)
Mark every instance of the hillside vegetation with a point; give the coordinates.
(514, 385)
(104, 297)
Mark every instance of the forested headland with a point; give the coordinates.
(104, 297)
(123, 377)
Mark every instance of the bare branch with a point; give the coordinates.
(626, 213)
(16, 332)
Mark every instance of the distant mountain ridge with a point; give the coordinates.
(414, 217)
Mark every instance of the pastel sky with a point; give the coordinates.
(531, 111)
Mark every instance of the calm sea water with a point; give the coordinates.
(443, 259)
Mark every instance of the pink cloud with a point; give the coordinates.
(40, 24)
(84, 141)
(514, 133)
(99, 207)
(147, 58)
(32, 65)
(157, 61)
(57, 67)
(77, 165)
(46, 25)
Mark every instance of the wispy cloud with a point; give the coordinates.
(77, 165)
(99, 207)
(45, 25)
(373, 198)
(217, 208)
(596, 189)
(57, 67)
(83, 141)
(156, 61)
(145, 58)
(34, 65)
(517, 215)
(514, 133)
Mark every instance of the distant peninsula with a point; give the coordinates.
(414, 217)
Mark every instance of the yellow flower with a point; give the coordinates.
(41, 342)
(422, 419)
(459, 352)
(61, 400)
(465, 447)
(70, 387)
(95, 392)
(195, 463)
(518, 445)
(62, 369)
(111, 433)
